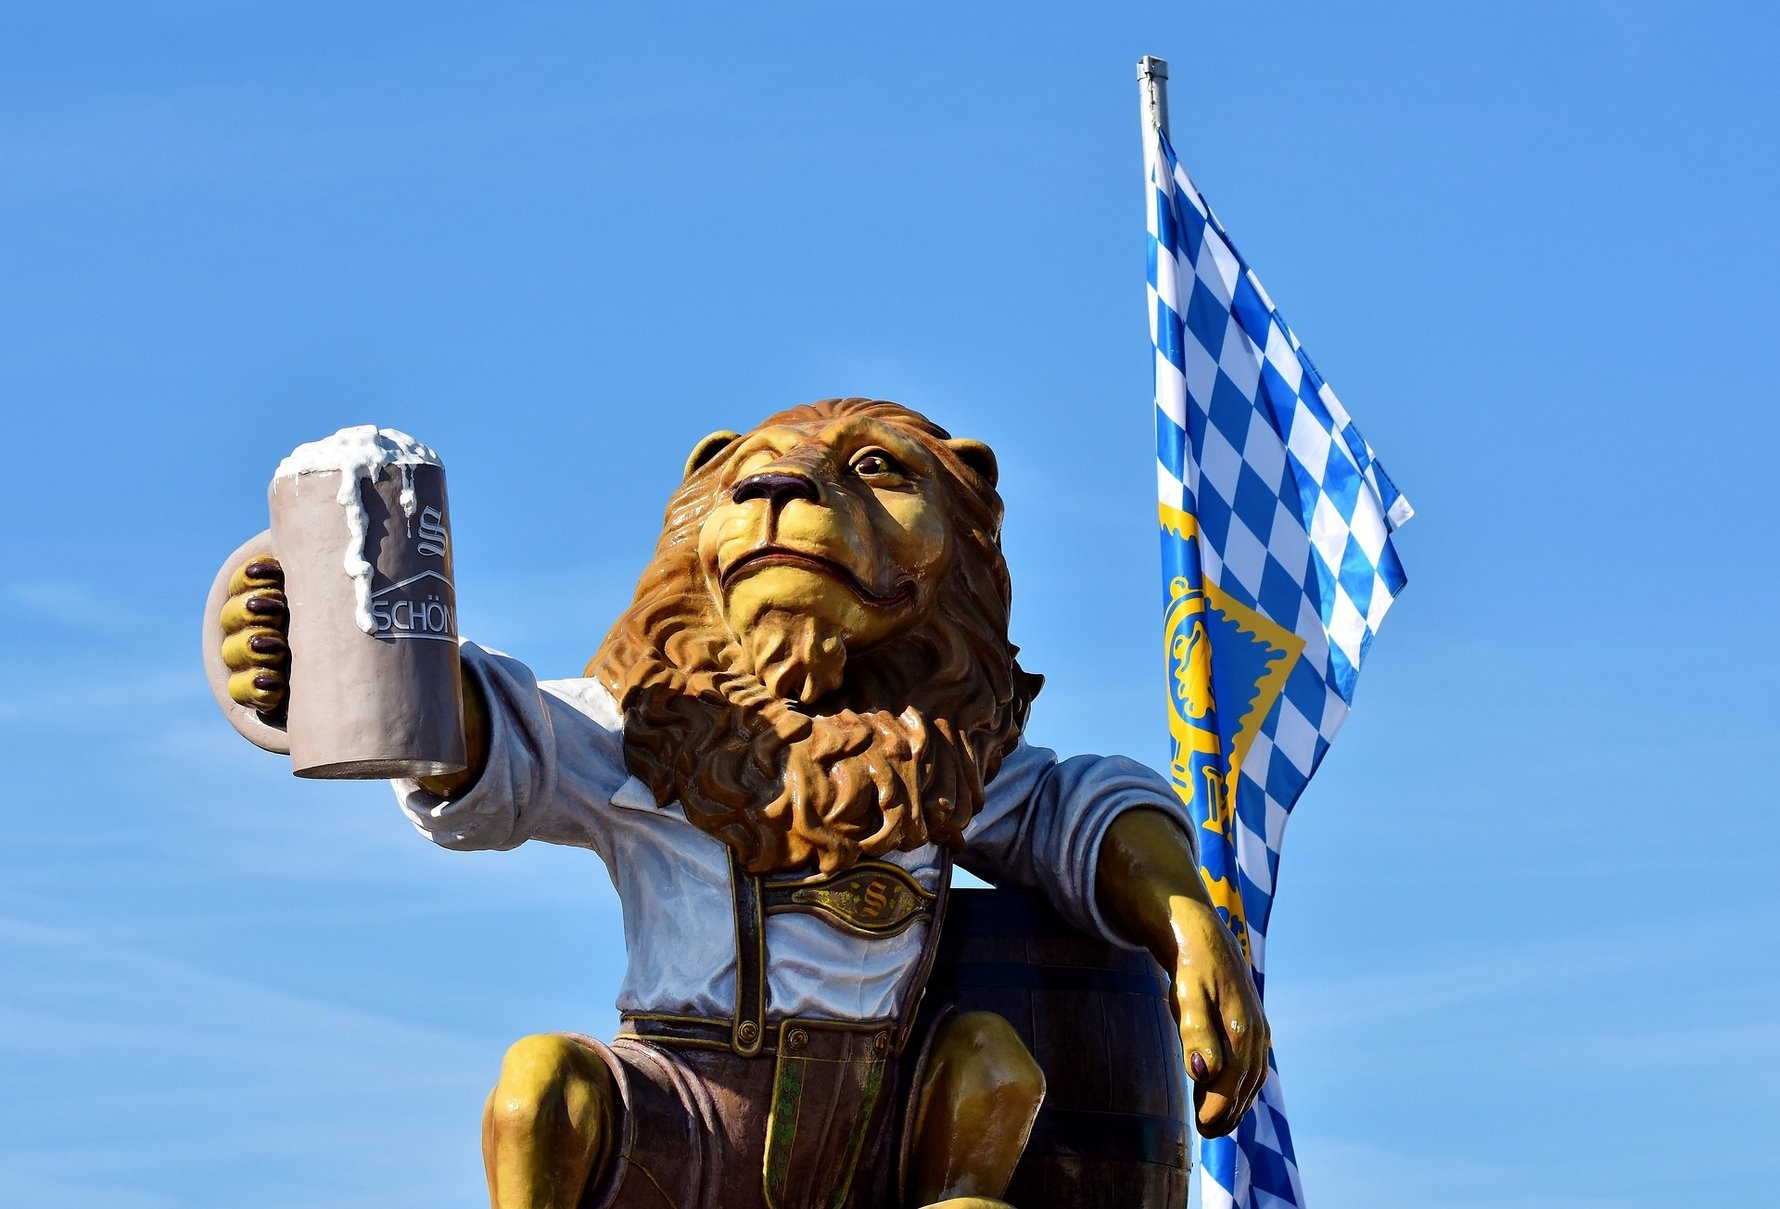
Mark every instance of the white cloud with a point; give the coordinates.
(221, 1082)
(1381, 1177)
(67, 601)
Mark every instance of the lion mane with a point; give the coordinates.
(895, 758)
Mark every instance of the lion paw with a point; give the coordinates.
(255, 623)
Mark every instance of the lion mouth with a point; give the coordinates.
(778, 556)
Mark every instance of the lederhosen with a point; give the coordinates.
(762, 1110)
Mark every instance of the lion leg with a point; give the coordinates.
(973, 1111)
(550, 1127)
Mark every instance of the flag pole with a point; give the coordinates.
(1152, 95)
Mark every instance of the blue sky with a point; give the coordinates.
(1522, 949)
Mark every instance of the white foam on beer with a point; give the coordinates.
(409, 503)
(361, 453)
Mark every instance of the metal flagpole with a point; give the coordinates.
(1152, 99)
(1152, 89)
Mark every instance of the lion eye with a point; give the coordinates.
(875, 465)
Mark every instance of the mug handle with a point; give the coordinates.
(246, 720)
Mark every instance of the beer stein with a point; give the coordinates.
(360, 525)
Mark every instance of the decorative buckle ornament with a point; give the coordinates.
(873, 898)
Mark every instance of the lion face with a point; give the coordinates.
(816, 665)
(826, 539)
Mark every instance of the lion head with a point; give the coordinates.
(816, 662)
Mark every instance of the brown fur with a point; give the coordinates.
(894, 758)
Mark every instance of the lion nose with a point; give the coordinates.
(777, 488)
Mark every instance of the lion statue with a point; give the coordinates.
(810, 711)
(793, 735)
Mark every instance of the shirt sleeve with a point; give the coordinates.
(555, 765)
(1043, 822)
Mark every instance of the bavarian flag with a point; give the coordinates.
(1277, 569)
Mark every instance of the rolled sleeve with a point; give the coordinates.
(555, 759)
(1044, 821)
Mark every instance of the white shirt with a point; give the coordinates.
(556, 773)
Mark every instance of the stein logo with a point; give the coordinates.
(421, 606)
(432, 531)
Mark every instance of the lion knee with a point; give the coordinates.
(547, 1081)
(994, 1066)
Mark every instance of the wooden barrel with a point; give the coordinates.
(1113, 1128)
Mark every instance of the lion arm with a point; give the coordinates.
(1150, 886)
(555, 763)
(1114, 849)
(1045, 824)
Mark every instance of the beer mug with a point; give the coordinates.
(360, 525)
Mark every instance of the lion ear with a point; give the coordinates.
(709, 448)
(978, 456)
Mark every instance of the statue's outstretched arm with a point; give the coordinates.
(1148, 887)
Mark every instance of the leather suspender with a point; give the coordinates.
(929, 950)
(749, 1026)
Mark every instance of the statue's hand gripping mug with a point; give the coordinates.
(360, 525)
